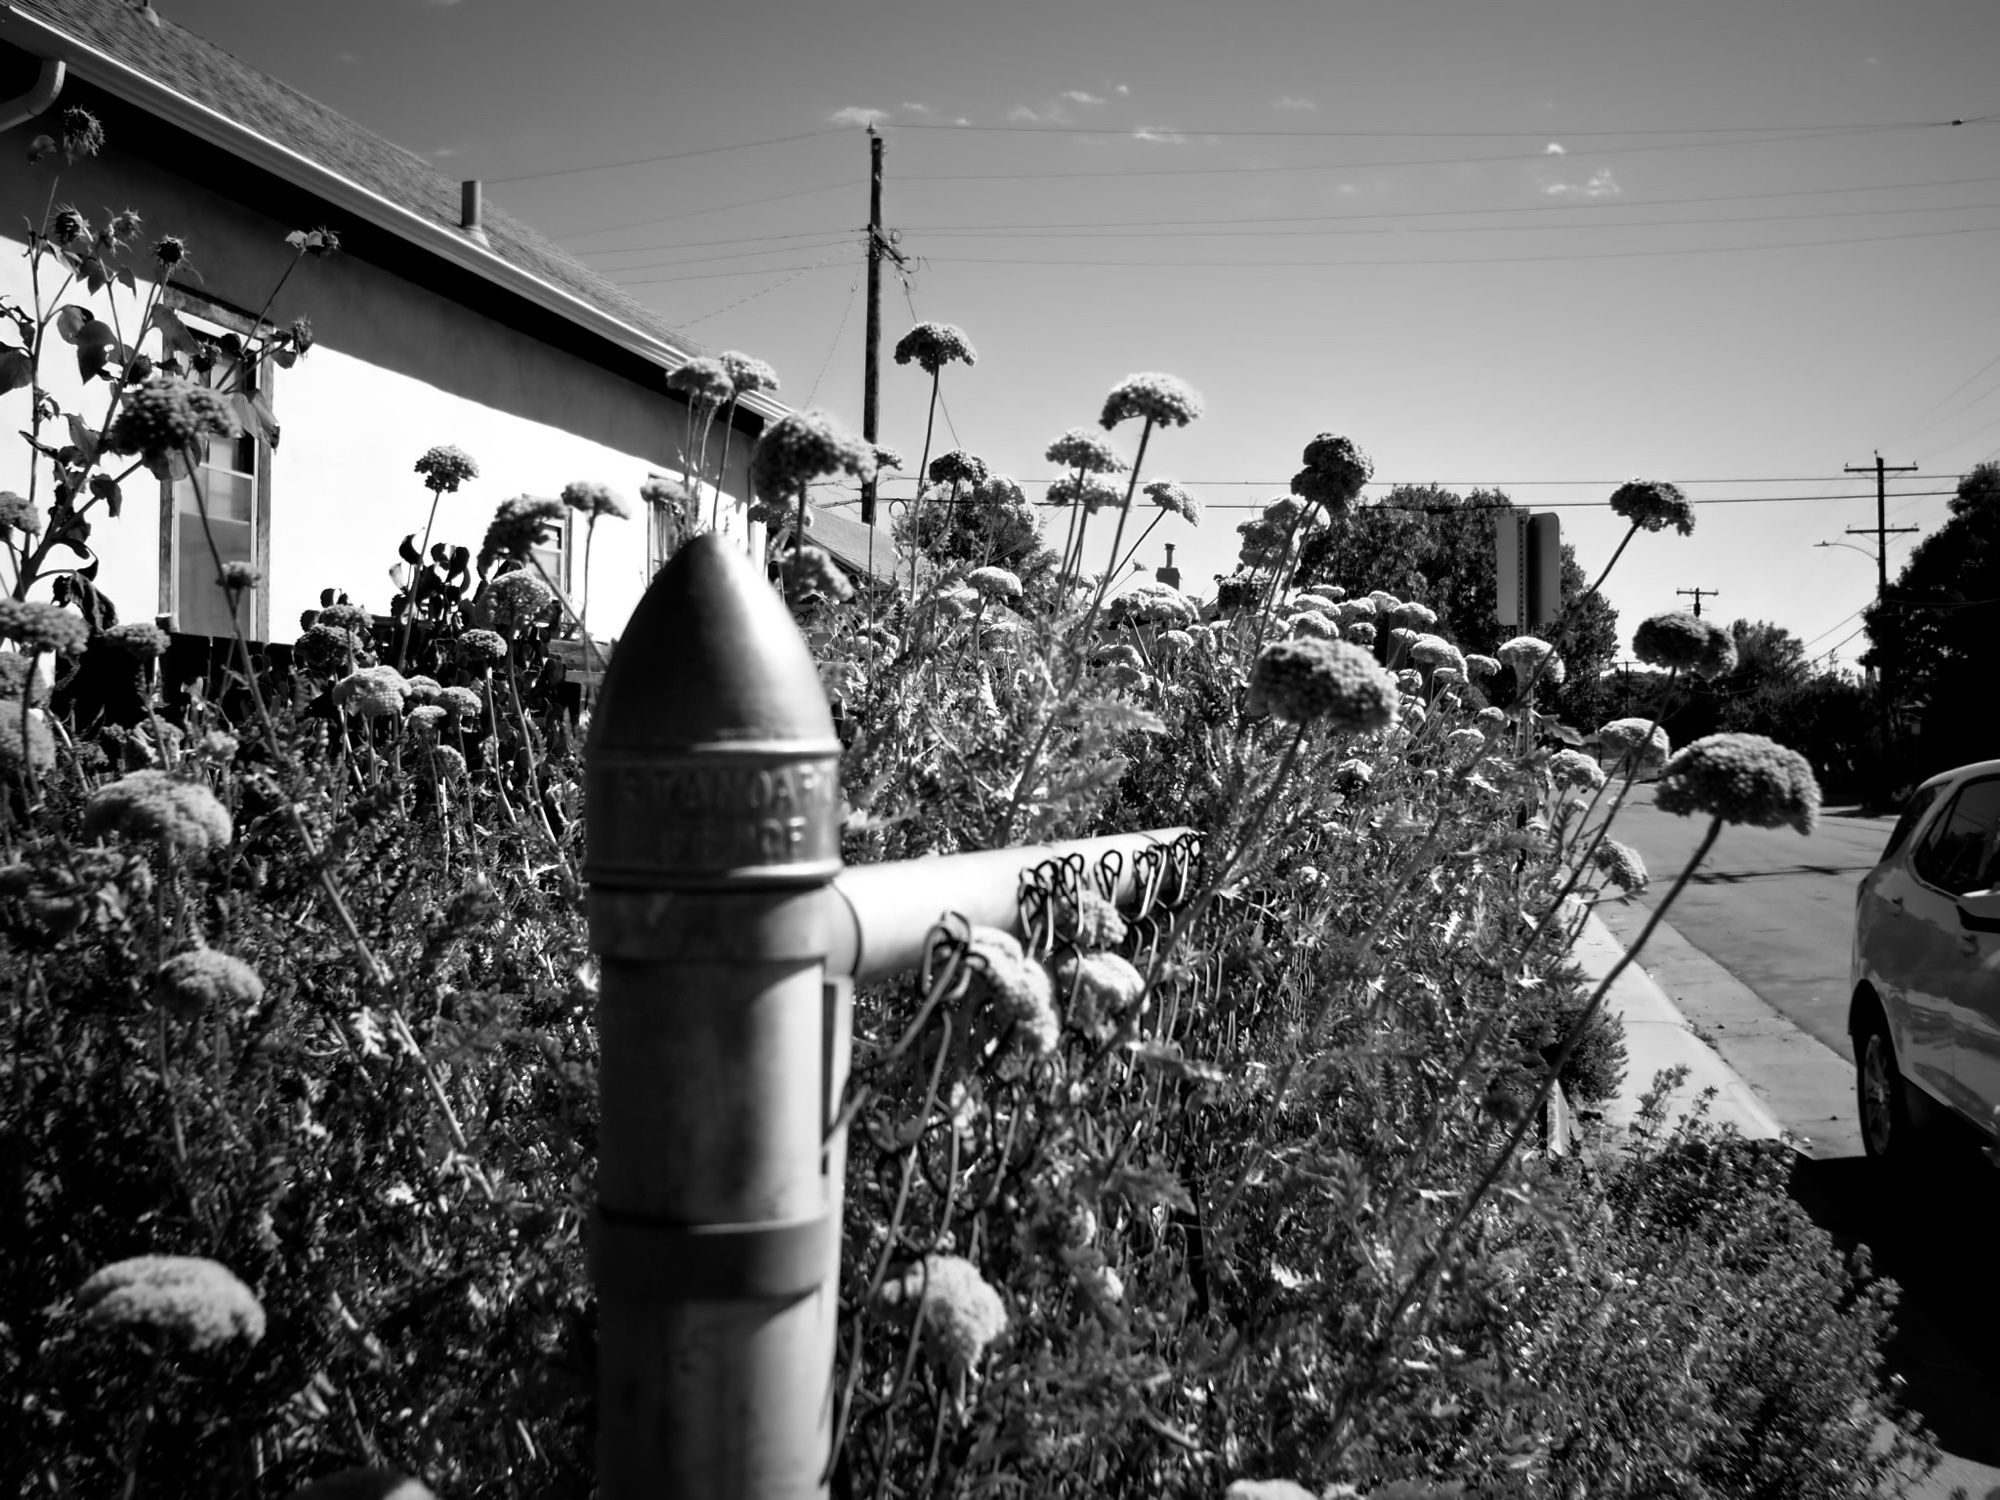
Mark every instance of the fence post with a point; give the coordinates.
(712, 799)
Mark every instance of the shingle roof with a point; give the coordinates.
(848, 540)
(195, 68)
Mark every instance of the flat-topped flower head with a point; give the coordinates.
(998, 489)
(517, 600)
(195, 1300)
(935, 345)
(1098, 988)
(1174, 643)
(1080, 448)
(704, 381)
(1335, 472)
(1150, 602)
(1332, 592)
(1159, 399)
(237, 576)
(958, 467)
(1477, 665)
(328, 649)
(595, 500)
(445, 468)
(995, 583)
(1091, 922)
(41, 742)
(1385, 602)
(1741, 778)
(1532, 658)
(802, 446)
(19, 513)
(1014, 987)
(1357, 609)
(961, 1314)
(1622, 865)
(40, 626)
(1654, 505)
(479, 649)
(1436, 651)
(1680, 641)
(1360, 633)
(462, 702)
(518, 527)
(812, 571)
(1262, 542)
(1306, 622)
(354, 617)
(151, 806)
(21, 677)
(372, 693)
(1318, 604)
(747, 374)
(205, 982)
(1572, 768)
(1465, 745)
(1636, 738)
(166, 416)
(1303, 680)
(426, 720)
(1092, 494)
(1401, 638)
(1174, 500)
(1416, 616)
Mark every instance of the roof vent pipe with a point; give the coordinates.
(472, 210)
(48, 84)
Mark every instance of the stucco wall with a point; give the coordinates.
(397, 368)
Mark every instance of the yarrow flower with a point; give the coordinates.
(1267, 1489)
(1304, 679)
(1680, 641)
(445, 762)
(372, 692)
(1161, 399)
(152, 806)
(995, 583)
(460, 702)
(1332, 592)
(41, 744)
(1080, 448)
(39, 626)
(1465, 744)
(887, 458)
(958, 467)
(1622, 865)
(1098, 988)
(326, 649)
(935, 345)
(238, 576)
(191, 1298)
(1477, 665)
(595, 500)
(1308, 623)
(1093, 494)
(1416, 616)
(445, 468)
(1532, 658)
(19, 513)
(704, 381)
(357, 618)
(802, 446)
(1654, 505)
(1090, 921)
(166, 416)
(1360, 633)
(960, 1313)
(21, 677)
(1741, 778)
(426, 720)
(517, 600)
(205, 982)
(748, 374)
(1640, 738)
(1285, 510)
(518, 527)
(1572, 768)
(1335, 472)
(1150, 602)
(812, 570)
(1015, 987)
(1437, 652)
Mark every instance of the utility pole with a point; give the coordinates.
(1699, 595)
(879, 245)
(1883, 531)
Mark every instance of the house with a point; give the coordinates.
(440, 320)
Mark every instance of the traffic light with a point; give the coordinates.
(1528, 568)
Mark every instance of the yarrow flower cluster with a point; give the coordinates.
(1080, 448)
(482, 648)
(205, 982)
(995, 583)
(960, 1313)
(1305, 679)
(1477, 665)
(1098, 988)
(595, 500)
(238, 576)
(1682, 642)
(1334, 473)
(152, 806)
(1436, 652)
(1622, 865)
(517, 600)
(41, 743)
(166, 416)
(704, 381)
(1532, 659)
(1092, 494)
(1654, 505)
(746, 373)
(802, 446)
(518, 527)
(958, 467)
(356, 618)
(326, 649)
(1636, 738)
(372, 693)
(196, 1300)
(1150, 602)
(1572, 768)
(1415, 616)
(935, 345)
(1015, 987)
(445, 468)
(1090, 921)
(812, 570)
(39, 626)
(19, 513)
(21, 677)
(1160, 399)
(1741, 778)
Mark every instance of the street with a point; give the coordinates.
(1755, 952)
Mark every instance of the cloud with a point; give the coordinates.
(917, 109)
(1078, 96)
(1124, 89)
(1159, 135)
(1286, 101)
(1600, 184)
(1022, 114)
(1554, 148)
(857, 114)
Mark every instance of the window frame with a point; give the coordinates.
(1989, 850)
(208, 316)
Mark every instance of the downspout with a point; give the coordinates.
(19, 111)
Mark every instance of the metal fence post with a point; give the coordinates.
(712, 796)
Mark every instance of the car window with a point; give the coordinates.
(1919, 804)
(1957, 853)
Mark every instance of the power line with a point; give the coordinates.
(847, 308)
(1545, 133)
(718, 275)
(647, 161)
(742, 239)
(1453, 510)
(613, 272)
(696, 213)
(727, 306)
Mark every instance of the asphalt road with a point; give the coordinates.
(1776, 909)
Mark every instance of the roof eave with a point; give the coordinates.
(451, 245)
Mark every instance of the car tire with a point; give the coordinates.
(1889, 1125)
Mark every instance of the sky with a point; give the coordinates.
(1543, 245)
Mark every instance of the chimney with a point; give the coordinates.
(471, 205)
(1169, 575)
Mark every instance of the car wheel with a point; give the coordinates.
(1881, 1096)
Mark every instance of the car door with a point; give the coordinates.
(1951, 963)
(1895, 935)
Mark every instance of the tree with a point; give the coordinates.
(1931, 638)
(991, 525)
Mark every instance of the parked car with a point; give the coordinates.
(1925, 1006)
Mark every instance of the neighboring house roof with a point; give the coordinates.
(136, 54)
(849, 542)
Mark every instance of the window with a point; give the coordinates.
(1913, 814)
(553, 555)
(232, 481)
(1957, 855)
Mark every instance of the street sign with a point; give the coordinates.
(1527, 568)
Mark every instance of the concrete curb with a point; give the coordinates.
(1657, 1038)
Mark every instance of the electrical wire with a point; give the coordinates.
(1338, 132)
(761, 291)
(717, 275)
(647, 161)
(846, 311)
(696, 213)
(614, 272)
(745, 239)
